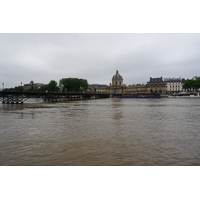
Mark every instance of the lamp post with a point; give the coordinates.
(2, 86)
(22, 87)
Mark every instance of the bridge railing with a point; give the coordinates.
(20, 97)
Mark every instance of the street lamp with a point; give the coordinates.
(2, 86)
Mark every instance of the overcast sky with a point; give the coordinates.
(96, 57)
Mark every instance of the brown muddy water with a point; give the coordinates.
(104, 132)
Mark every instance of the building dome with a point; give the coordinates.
(117, 76)
(117, 79)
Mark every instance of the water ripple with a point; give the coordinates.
(101, 132)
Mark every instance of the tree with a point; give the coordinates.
(44, 88)
(52, 86)
(74, 84)
(192, 84)
(16, 89)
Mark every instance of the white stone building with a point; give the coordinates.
(173, 85)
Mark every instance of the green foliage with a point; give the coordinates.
(52, 86)
(69, 84)
(192, 84)
(32, 90)
(16, 89)
(44, 88)
(74, 84)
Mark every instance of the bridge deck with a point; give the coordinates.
(21, 97)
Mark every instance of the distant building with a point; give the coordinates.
(33, 85)
(156, 85)
(173, 85)
(38, 85)
(136, 88)
(117, 79)
(117, 84)
(97, 88)
(196, 77)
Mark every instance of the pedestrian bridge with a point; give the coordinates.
(21, 97)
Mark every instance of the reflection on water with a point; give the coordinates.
(101, 132)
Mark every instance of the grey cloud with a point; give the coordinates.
(95, 57)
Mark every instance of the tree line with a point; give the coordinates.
(66, 85)
(192, 84)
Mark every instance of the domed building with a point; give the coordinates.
(117, 85)
(155, 85)
(117, 79)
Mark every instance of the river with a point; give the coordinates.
(103, 132)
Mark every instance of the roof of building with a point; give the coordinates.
(117, 76)
(155, 81)
(98, 85)
(172, 79)
(196, 77)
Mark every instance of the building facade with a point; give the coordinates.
(156, 85)
(136, 88)
(117, 79)
(196, 78)
(33, 85)
(117, 85)
(173, 85)
(98, 88)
